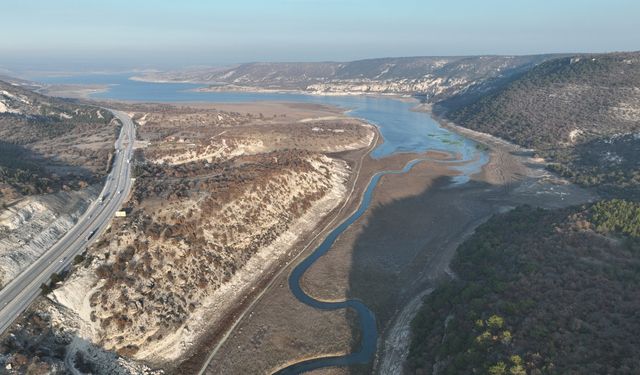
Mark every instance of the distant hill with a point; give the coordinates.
(563, 101)
(433, 77)
(582, 113)
(48, 144)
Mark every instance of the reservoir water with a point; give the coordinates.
(402, 129)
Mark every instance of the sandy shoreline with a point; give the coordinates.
(73, 91)
(251, 89)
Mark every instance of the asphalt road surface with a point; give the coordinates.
(16, 296)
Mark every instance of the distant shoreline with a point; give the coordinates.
(85, 91)
(73, 90)
(224, 87)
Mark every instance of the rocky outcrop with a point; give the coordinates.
(33, 225)
(172, 261)
(429, 86)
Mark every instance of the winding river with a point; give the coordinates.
(402, 129)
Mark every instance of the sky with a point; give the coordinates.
(125, 34)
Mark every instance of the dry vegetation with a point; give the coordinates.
(49, 144)
(189, 134)
(538, 292)
(195, 218)
(581, 113)
(190, 233)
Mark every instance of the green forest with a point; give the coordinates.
(538, 292)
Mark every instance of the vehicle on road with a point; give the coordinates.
(91, 234)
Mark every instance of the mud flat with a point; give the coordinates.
(392, 254)
(277, 311)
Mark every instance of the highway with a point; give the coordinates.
(16, 296)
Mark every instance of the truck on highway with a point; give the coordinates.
(91, 234)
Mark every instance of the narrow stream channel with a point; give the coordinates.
(366, 317)
(367, 320)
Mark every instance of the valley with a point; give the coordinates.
(385, 258)
(233, 192)
(296, 187)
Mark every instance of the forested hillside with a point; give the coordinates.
(559, 102)
(581, 113)
(538, 292)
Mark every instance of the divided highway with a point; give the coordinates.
(16, 296)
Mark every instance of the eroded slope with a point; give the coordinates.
(200, 231)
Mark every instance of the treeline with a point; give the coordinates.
(617, 216)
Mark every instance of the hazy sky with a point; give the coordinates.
(68, 34)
